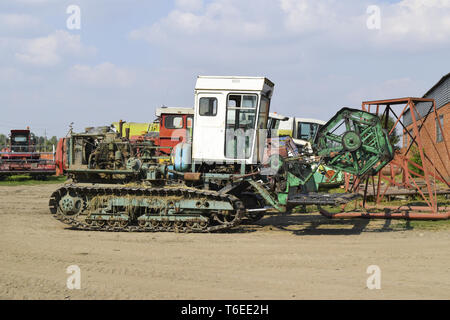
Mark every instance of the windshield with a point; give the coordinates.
(19, 139)
(307, 130)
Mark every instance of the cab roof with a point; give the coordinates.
(235, 83)
(170, 110)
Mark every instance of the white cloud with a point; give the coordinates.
(189, 5)
(11, 22)
(387, 89)
(13, 76)
(34, 2)
(105, 75)
(422, 21)
(219, 19)
(304, 16)
(416, 22)
(413, 22)
(50, 50)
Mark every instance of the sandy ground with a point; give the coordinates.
(283, 257)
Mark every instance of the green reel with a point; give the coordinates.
(354, 141)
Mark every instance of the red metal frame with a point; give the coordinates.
(401, 161)
(400, 165)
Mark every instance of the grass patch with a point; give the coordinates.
(418, 225)
(331, 190)
(437, 225)
(19, 180)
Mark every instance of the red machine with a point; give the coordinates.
(60, 157)
(175, 126)
(22, 156)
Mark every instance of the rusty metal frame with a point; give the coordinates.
(401, 161)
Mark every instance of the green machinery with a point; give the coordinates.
(120, 185)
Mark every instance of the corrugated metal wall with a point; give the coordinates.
(442, 96)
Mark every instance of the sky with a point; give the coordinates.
(129, 57)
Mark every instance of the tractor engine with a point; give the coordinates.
(100, 154)
(110, 153)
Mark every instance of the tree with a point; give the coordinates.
(415, 157)
(40, 141)
(394, 138)
(3, 140)
(53, 141)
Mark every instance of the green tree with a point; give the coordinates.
(53, 140)
(3, 140)
(40, 141)
(394, 138)
(415, 157)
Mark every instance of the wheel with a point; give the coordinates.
(142, 223)
(179, 226)
(225, 217)
(117, 223)
(155, 225)
(98, 223)
(252, 201)
(166, 225)
(193, 226)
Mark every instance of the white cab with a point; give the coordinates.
(229, 111)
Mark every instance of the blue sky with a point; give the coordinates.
(131, 56)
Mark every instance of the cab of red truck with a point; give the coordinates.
(22, 141)
(21, 144)
(175, 126)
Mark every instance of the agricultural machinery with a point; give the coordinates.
(22, 155)
(222, 173)
(172, 126)
(303, 132)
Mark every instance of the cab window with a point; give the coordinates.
(173, 122)
(19, 139)
(306, 130)
(208, 107)
(189, 122)
(240, 121)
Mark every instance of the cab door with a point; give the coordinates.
(241, 123)
(209, 127)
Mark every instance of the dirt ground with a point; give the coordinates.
(282, 257)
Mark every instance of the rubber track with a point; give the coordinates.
(129, 191)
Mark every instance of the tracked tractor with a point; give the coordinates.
(221, 176)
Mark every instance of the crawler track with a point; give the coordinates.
(145, 209)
